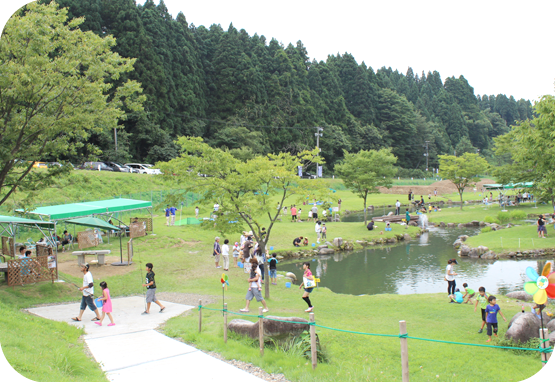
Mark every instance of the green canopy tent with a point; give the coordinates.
(101, 224)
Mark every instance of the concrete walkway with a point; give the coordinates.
(133, 351)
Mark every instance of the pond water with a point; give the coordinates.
(414, 267)
(379, 211)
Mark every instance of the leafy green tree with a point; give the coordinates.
(365, 171)
(530, 144)
(245, 190)
(463, 170)
(54, 91)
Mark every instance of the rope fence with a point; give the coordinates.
(544, 350)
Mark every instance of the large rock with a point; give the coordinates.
(523, 326)
(291, 275)
(406, 237)
(465, 250)
(322, 246)
(337, 242)
(461, 225)
(442, 224)
(463, 237)
(475, 223)
(413, 223)
(450, 225)
(489, 255)
(520, 295)
(326, 251)
(457, 243)
(474, 253)
(272, 329)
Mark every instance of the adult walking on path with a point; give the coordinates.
(450, 276)
(253, 291)
(88, 292)
(397, 207)
(217, 252)
(308, 283)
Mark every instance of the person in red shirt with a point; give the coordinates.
(293, 214)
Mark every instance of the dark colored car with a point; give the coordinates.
(307, 175)
(96, 166)
(117, 167)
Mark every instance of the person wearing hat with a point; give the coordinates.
(88, 291)
(450, 276)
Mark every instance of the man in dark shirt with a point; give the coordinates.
(370, 226)
(150, 285)
(297, 241)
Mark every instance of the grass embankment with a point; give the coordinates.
(480, 212)
(183, 263)
(521, 238)
(41, 349)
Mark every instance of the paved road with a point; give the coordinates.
(133, 351)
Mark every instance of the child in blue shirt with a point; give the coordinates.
(457, 297)
(491, 316)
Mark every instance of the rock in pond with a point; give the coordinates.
(337, 242)
(291, 275)
(326, 251)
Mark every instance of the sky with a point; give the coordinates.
(500, 47)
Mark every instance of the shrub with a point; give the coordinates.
(503, 217)
(491, 219)
(518, 215)
(485, 229)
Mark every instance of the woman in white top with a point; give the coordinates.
(225, 254)
(450, 276)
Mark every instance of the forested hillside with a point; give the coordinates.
(254, 95)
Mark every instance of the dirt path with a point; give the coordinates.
(443, 187)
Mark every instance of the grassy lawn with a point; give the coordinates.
(508, 239)
(479, 212)
(183, 263)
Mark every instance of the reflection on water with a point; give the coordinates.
(415, 267)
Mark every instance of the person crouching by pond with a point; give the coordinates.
(253, 291)
(450, 276)
(308, 283)
(297, 242)
(370, 225)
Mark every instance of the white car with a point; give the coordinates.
(143, 169)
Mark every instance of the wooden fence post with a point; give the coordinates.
(225, 322)
(261, 331)
(199, 316)
(404, 351)
(313, 349)
(545, 356)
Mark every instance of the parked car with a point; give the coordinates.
(307, 175)
(142, 169)
(39, 165)
(97, 166)
(58, 164)
(117, 167)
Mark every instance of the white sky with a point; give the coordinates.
(499, 46)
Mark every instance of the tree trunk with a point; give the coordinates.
(365, 222)
(460, 194)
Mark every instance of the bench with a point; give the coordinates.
(99, 256)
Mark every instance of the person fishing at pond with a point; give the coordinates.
(309, 284)
(450, 276)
